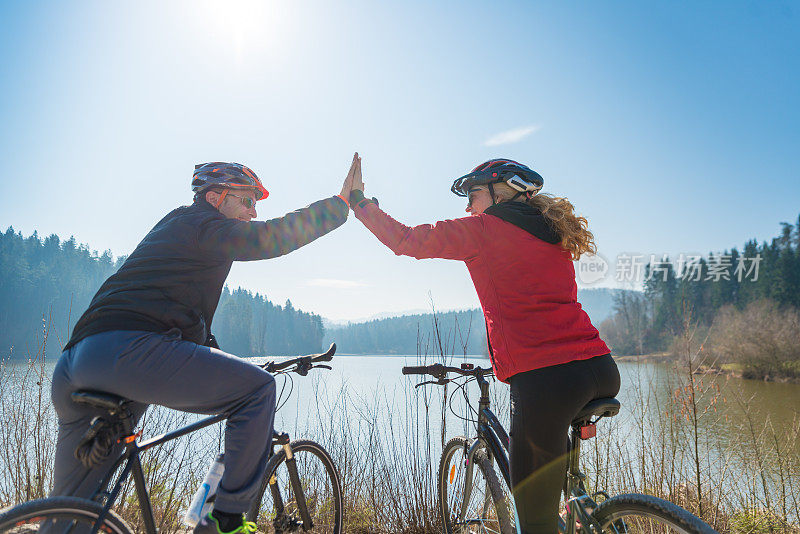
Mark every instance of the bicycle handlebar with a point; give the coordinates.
(418, 370)
(440, 371)
(304, 363)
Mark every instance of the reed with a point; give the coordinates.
(740, 480)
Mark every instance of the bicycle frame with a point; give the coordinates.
(580, 504)
(133, 466)
(494, 438)
(491, 434)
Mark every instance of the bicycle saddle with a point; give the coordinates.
(606, 407)
(99, 399)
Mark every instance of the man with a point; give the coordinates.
(146, 335)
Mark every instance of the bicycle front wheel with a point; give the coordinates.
(473, 503)
(277, 509)
(59, 514)
(645, 514)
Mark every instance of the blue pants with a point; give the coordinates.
(153, 368)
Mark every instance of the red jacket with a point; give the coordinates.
(526, 286)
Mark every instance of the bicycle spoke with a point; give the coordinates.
(468, 494)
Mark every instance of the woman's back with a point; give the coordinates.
(528, 294)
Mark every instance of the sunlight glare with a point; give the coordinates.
(251, 27)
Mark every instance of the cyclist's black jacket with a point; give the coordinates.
(174, 277)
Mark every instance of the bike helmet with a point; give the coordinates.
(227, 175)
(520, 177)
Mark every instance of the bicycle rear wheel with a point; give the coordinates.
(321, 487)
(485, 509)
(645, 514)
(59, 515)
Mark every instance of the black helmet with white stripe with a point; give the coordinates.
(519, 177)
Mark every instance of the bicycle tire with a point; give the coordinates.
(31, 516)
(321, 486)
(486, 510)
(633, 513)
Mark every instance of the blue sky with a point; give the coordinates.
(673, 127)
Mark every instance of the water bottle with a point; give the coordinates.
(204, 497)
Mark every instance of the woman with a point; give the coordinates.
(519, 246)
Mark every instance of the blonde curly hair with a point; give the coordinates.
(560, 215)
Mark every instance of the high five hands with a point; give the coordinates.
(353, 180)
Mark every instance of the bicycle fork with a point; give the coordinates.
(297, 489)
(469, 454)
(470, 464)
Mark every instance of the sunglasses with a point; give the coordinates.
(472, 194)
(247, 202)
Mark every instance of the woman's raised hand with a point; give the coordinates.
(358, 181)
(348, 181)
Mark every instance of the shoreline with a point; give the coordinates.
(730, 370)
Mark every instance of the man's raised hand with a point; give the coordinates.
(348, 181)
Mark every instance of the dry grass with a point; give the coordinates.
(744, 480)
(763, 339)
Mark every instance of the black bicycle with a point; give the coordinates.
(305, 493)
(475, 500)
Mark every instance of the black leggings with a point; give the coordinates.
(543, 404)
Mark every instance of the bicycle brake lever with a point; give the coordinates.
(303, 368)
(269, 367)
(323, 367)
(440, 382)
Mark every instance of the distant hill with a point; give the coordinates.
(338, 323)
(49, 282)
(407, 333)
(461, 332)
(598, 303)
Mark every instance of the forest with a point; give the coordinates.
(738, 307)
(46, 284)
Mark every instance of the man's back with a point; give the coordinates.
(146, 335)
(168, 281)
(174, 277)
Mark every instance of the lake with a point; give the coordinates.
(377, 381)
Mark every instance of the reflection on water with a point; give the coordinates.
(726, 404)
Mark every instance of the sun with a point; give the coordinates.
(246, 27)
